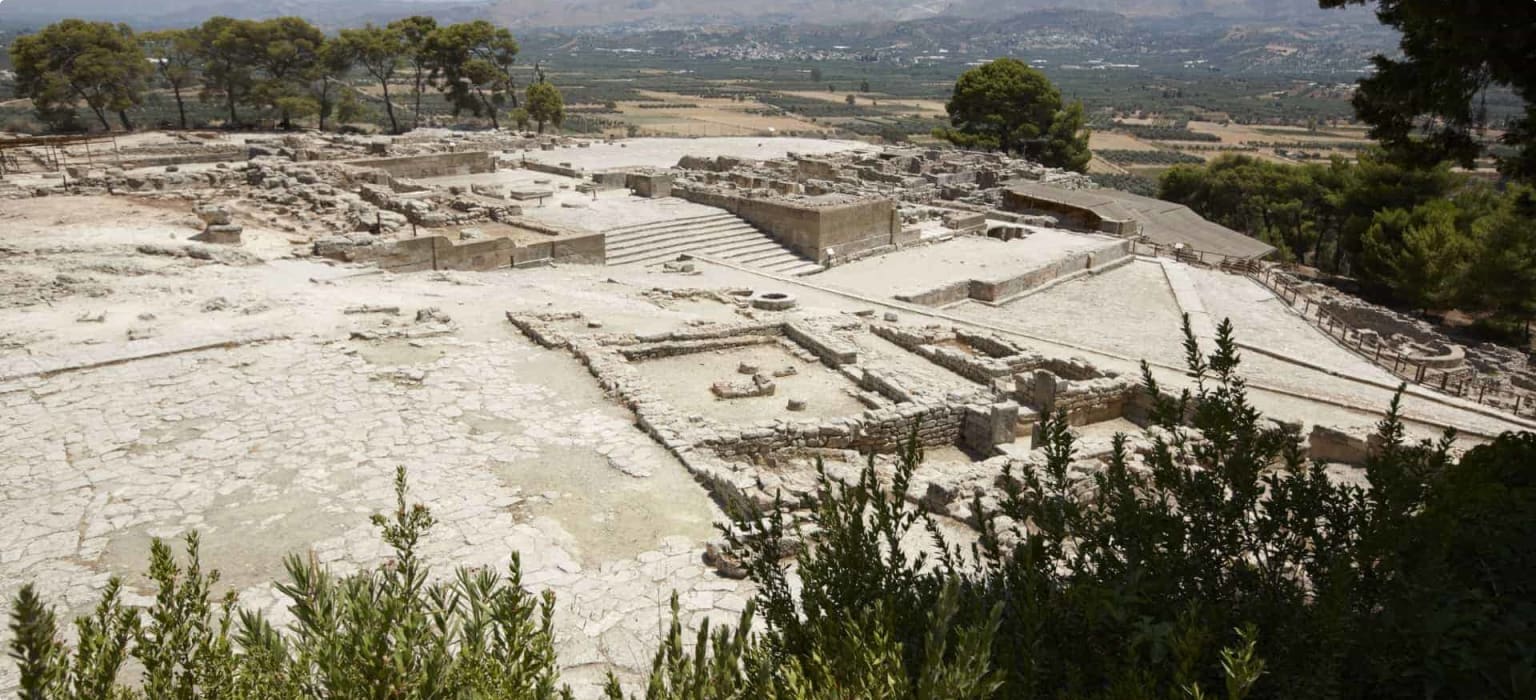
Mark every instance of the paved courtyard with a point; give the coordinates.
(151, 386)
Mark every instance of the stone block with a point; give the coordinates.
(759, 385)
(1342, 446)
(223, 234)
(652, 185)
(214, 214)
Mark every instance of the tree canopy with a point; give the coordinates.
(73, 62)
(1428, 238)
(1006, 105)
(544, 105)
(414, 33)
(1425, 105)
(474, 63)
(380, 51)
(287, 54)
(282, 67)
(228, 49)
(174, 53)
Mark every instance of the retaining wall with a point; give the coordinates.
(1003, 288)
(815, 232)
(229, 154)
(442, 253)
(435, 165)
(1084, 402)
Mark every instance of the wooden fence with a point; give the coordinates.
(1462, 381)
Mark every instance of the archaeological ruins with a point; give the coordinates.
(584, 350)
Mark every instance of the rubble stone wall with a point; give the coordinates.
(832, 352)
(995, 358)
(435, 165)
(208, 154)
(1084, 401)
(881, 430)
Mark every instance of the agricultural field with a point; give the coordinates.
(673, 114)
(1145, 146)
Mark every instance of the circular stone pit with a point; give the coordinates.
(773, 301)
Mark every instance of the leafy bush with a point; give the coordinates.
(1221, 560)
(385, 632)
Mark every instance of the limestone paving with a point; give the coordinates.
(257, 389)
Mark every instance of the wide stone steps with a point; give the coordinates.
(722, 236)
(651, 251)
(669, 223)
(792, 266)
(632, 242)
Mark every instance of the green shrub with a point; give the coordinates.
(385, 632)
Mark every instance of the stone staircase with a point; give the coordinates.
(722, 236)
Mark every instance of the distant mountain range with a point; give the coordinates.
(182, 13)
(645, 14)
(678, 13)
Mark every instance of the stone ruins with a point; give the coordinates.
(585, 350)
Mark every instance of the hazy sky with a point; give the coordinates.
(190, 11)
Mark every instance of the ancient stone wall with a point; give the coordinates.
(435, 165)
(652, 185)
(1001, 289)
(881, 430)
(562, 169)
(996, 358)
(1084, 401)
(832, 352)
(1353, 447)
(884, 429)
(442, 253)
(818, 232)
(1069, 214)
(989, 425)
(206, 154)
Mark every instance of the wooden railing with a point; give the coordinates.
(1463, 381)
(1192, 256)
